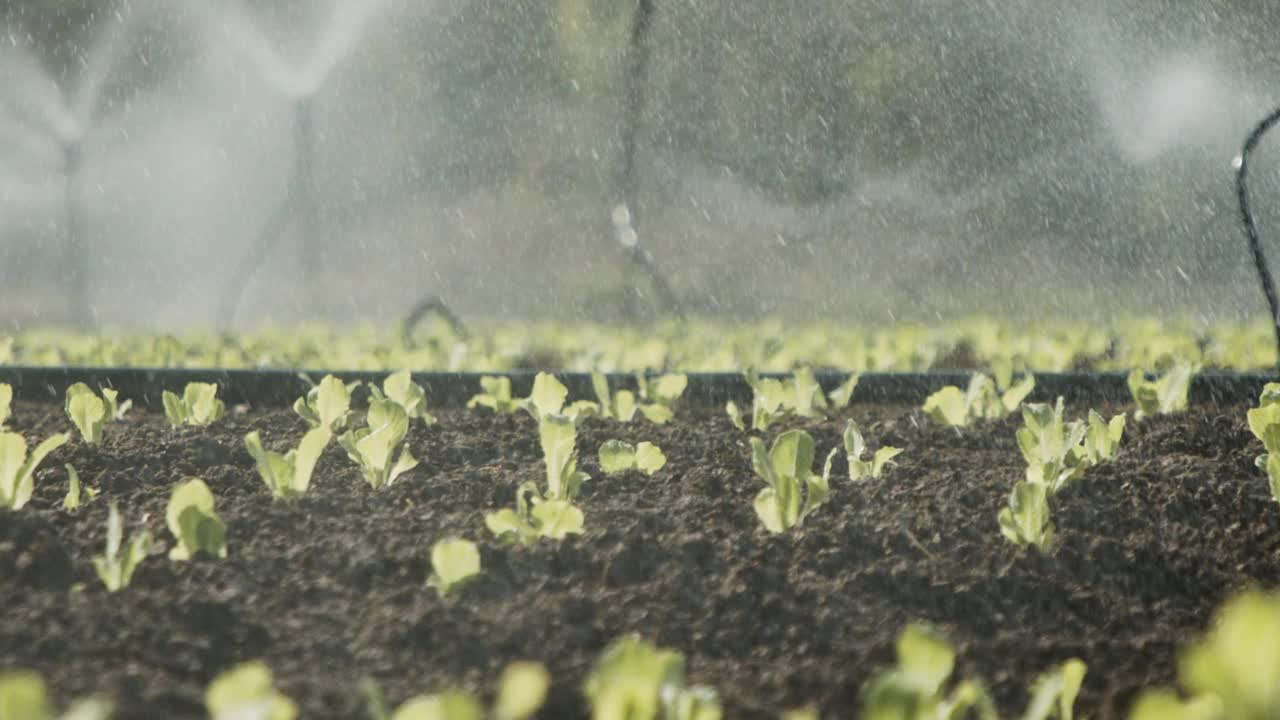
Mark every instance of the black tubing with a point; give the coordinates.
(279, 388)
(1250, 229)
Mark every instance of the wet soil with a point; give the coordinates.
(330, 588)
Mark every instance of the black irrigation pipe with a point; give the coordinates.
(279, 388)
(1250, 229)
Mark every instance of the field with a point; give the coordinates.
(330, 588)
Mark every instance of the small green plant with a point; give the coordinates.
(624, 404)
(454, 561)
(6, 403)
(198, 406)
(87, 411)
(664, 390)
(535, 517)
(769, 402)
(855, 446)
(1264, 423)
(1233, 673)
(496, 395)
(372, 447)
(72, 501)
(1052, 447)
(1054, 693)
(17, 469)
(115, 568)
(548, 398)
(635, 680)
(195, 526)
(326, 405)
(289, 475)
(1102, 439)
(558, 436)
(247, 691)
(402, 390)
(1163, 396)
(983, 399)
(24, 696)
(617, 456)
(793, 490)
(521, 693)
(915, 689)
(1026, 520)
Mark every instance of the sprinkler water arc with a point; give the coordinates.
(1250, 228)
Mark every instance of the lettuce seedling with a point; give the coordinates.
(548, 398)
(327, 405)
(915, 689)
(558, 435)
(1052, 447)
(454, 561)
(6, 403)
(372, 447)
(247, 691)
(289, 475)
(1026, 520)
(793, 490)
(1102, 439)
(71, 502)
(623, 404)
(769, 398)
(1163, 396)
(617, 456)
(634, 679)
(1233, 671)
(24, 696)
(535, 517)
(403, 391)
(1264, 421)
(199, 405)
(496, 395)
(982, 400)
(115, 409)
(521, 693)
(195, 526)
(87, 411)
(17, 469)
(664, 390)
(115, 568)
(843, 394)
(855, 446)
(1054, 693)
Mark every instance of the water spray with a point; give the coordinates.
(1241, 164)
(623, 214)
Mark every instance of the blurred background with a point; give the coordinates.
(862, 159)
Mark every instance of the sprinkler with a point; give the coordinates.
(1241, 164)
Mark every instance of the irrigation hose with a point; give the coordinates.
(1250, 229)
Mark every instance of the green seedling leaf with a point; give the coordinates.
(547, 398)
(521, 691)
(635, 679)
(535, 518)
(402, 390)
(915, 688)
(24, 696)
(617, 456)
(807, 397)
(115, 568)
(71, 502)
(948, 407)
(198, 406)
(373, 447)
(1054, 693)
(855, 446)
(87, 411)
(558, 434)
(289, 475)
(496, 395)
(769, 401)
(115, 409)
(1026, 520)
(326, 405)
(455, 561)
(450, 705)
(1013, 397)
(193, 523)
(17, 469)
(793, 490)
(1163, 396)
(735, 415)
(6, 402)
(247, 691)
(1102, 441)
(1055, 451)
(1238, 661)
(843, 393)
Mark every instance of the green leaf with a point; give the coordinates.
(1026, 519)
(115, 409)
(600, 385)
(925, 659)
(193, 523)
(548, 396)
(557, 435)
(841, 396)
(624, 405)
(735, 415)
(114, 568)
(202, 404)
(87, 411)
(649, 458)
(496, 395)
(173, 409)
(948, 406)
(17, 468)
(454, 561)
(71, 502)
(247, 691)
(770, 511)
(657, 414)
(617, 456)
(401, 389)
(1014, 396)
(23, 696)
(1054, 693)
(1238, 661)
(6, 401)
(882, 458)
(557, 519)
(507, 526)
(452, 705)
(327, 405)
(792, 454)
(372, 448)
(521, 691)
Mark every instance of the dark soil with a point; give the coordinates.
(330, 588)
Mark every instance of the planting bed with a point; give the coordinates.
(329, 588)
